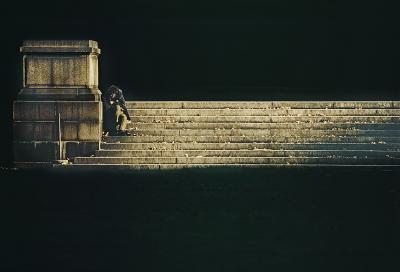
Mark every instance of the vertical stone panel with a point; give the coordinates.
(57, 71)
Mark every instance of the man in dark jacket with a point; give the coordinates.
(116, 115)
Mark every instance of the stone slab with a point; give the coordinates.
(236, 160)
(45, 45)
(48, 130)
(268, 132)
(47, 151)
(253, 139)
(167, 167)
(247, 153)
(49, 110)
(60, 70)
(62, 93)
(265, 119)
(316, 126)
(264, 112)
(250, 146)
(260, 104)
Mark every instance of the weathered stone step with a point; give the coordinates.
(179, 134)
(250, 146)
(162, 126)
(264, 112)
(247, 153)
(251, 139)
(265, 119)
(267, 132)
(114, 167)
(260, 104)
(236, 160)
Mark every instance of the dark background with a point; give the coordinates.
(208, 220)
(223, 49)
(291, 219)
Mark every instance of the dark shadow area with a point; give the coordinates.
(202, 220)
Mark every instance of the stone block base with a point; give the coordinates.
(36, 151)
(36, 130)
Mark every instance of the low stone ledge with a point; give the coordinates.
(42, 93)
(49, 110)
(48, 130)
(47, 151)
(60, 46)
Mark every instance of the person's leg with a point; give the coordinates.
(109, 124)
(118, 112)
(122, 122)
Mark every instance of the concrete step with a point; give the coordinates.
(250, 146)
(135, 167)
(260, 104)
(236, 160)
(264, 112)
(252, 139)
(267, 132)
(162, 126)
(181, 134)
(247, 153)
(266, 119)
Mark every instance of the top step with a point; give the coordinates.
(263, 104)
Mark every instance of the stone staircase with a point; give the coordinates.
(180, 134)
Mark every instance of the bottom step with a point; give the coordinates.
(239, 160)
(110, 167)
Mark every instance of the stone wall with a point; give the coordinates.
(60, 80)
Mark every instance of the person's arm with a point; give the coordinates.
(106, 101)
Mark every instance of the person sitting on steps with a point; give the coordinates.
(116, 115)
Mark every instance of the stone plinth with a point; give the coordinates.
(55, 70)
(60, 79)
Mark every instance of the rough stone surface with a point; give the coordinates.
(262, 104)
(47, 151)
(60, 78)
(67, 69)
(182, 134)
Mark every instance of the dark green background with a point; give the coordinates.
(295, 219)
(225, 49)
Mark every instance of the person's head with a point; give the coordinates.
(113, 89)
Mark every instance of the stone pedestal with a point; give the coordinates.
(60, 80)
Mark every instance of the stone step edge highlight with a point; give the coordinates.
(255, 150)
(265, 132)
(282, 109)
(181, 166)
(249, 139)
(236, 160)
(219, 104)
(247, 146)
(247, 153)
(248, 125)
(350, 119)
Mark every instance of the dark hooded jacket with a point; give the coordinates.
(115, 95)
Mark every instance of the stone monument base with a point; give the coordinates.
(58, 112)
(36, 130)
